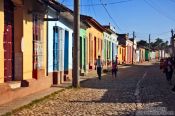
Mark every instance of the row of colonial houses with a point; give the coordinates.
(144, 54)
(36, 42)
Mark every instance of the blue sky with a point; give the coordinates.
(155, 17)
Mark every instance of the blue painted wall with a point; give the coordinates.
(64, 39)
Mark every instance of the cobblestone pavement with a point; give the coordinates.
(137, 90)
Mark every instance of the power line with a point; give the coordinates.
(89, 9)
(93, 10)
(109, 3)
(157, 10)
(156, 34)
(163, 33)
(109, 15)
(62, 1)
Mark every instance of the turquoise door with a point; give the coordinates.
(66, 50)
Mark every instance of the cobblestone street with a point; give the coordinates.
(137, 90)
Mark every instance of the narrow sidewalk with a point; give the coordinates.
(15, 104)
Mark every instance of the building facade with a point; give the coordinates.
(60, 43)
(122, 43)
(23, 54)
(106, 49)
(94, 40)
(129, 51)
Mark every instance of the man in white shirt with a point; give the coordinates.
(99, 67)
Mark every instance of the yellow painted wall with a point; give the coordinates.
(121, 54)
(120, 49)
(27, 41)
(1, 41)
(99, 36)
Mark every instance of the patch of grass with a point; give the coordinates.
(34, 102)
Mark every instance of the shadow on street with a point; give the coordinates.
(153, 89)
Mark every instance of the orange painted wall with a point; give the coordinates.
(124, 54)
(90, 42)
(1, 41)
(129, 54)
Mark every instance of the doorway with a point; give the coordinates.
(8, 41)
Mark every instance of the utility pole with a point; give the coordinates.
(149, 46)
(133, 48)
(75, 72)
(172, 42)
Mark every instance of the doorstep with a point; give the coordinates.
(14, 84)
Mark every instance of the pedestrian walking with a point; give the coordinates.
(114, 69)
(168, 70)
(116, 60)
(173, 89)
(98, 66)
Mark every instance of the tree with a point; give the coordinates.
(164, 45)
(142, 43)
(158, 44)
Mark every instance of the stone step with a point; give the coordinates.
(14, 84)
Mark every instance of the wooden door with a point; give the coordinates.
(8, 40)
(8, 53)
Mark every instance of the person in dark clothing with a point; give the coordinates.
(114, 69)
(173, 89)
(168, 70)
(99, 67)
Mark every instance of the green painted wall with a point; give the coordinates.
(146, 55)
(105, 52)
(105, 46)
(83, 48)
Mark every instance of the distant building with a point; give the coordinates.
(122, 48)
(134, 49)
(113, 41)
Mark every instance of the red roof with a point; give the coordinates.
(92, 21)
